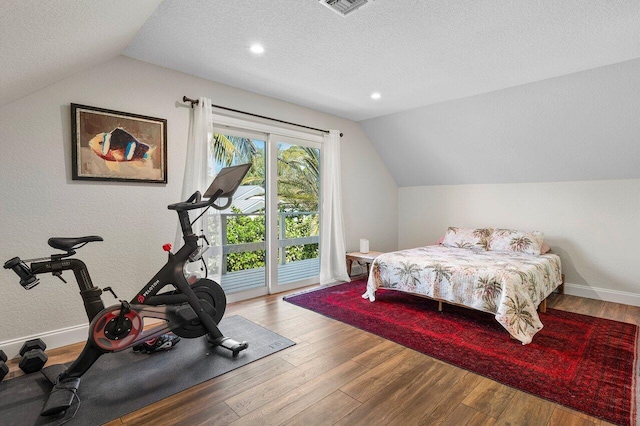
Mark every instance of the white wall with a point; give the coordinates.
(561, 156)
(581, 126)
(593, 225)
(39, 200)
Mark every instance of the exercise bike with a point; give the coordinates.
(188, 310)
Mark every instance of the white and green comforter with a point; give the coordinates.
(507, 284)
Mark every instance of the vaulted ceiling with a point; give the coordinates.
(415, 53)
(42, 42)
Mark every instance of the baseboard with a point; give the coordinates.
(56, 338)
(70, 335)
(53, 339)
(604, 294)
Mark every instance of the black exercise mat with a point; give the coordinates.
(123, 382)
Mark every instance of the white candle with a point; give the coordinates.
(364, 245)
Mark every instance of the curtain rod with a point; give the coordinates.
(196, 102)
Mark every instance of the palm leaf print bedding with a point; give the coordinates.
(507, 284)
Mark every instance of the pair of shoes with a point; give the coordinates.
(158, 344)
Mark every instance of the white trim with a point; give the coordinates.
(244, 124)
(604, 294)
(53, 339)
(308, 142)
(56, 338)
(296, 284)
(78, 333)
(247, 294)
(271, 212)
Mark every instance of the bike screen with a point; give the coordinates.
(228, 180)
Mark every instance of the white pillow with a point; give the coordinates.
(467, 238)
(529, 242)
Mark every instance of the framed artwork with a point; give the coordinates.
(117, 146)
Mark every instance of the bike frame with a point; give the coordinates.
(91, 295)
(119, 327)
(145, 302)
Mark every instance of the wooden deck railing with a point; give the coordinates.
(235, 281)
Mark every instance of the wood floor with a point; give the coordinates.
(329, 378)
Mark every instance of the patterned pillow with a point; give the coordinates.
(516, 241)
(467, 238)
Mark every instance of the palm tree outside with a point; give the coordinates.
(298, 196)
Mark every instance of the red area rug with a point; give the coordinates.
(582, 362)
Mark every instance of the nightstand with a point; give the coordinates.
(366, 258)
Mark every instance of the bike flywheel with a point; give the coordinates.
(214, 302)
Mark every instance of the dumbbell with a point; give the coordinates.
(4, 368)
(33, 356)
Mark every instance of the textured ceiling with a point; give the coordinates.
(42, 42)
(570, 70)
(414, 52)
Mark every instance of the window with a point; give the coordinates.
(270, 233)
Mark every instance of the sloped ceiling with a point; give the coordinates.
(414, 52)
(42, 42)
(582, 126)
(431, 60)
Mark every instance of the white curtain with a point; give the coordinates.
(197, 177)
(332, 258)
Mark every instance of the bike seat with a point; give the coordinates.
(68, 244)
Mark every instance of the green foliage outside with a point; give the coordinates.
(245, 229)
(298, 189)
(250, 229)
(301, 226)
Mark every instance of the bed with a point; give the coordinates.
(498, 271)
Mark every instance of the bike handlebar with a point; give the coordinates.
(196, 197)
(194, 202)
(27, 279)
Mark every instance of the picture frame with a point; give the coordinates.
(117, 146)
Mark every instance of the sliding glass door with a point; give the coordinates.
(270, 233)
(243, 223)
(295, 254)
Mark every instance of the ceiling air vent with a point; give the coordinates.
(344, 7)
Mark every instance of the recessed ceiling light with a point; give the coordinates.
(375, 95)
(257, 48)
